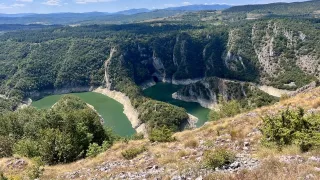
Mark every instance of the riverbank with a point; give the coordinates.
(202, 102)
(274, 91)
(131, 113)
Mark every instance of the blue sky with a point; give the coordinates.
(51, 6)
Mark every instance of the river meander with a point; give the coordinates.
(110, 110)
(163, 92)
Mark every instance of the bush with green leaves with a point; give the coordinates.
(6, 144)
(95, 149)
(57, 135)
(226, 109)
(131, 153)
(218, 158)
(36, 168)
(137, 136)
(163, 134)
(292, 127)
(2, 177)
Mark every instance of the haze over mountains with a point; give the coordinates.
(197, 7)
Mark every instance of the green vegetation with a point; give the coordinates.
(133, 152)
(36, 169)
(218, 158)
(202, 44)
(58, 135)
(137, 136)
(226, 109)
(110, 110)
(292, 127)
(281, 9)
(8, 104)
(162, 134)
(254, 98)
(95, 149)
(2, 177)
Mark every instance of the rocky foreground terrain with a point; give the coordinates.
(183, 158)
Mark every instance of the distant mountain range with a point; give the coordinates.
(201, 7)
(125, 12)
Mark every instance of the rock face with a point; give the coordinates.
(207, 91)
(258, 53)
(129, 110)
(40, 94)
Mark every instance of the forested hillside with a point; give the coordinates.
(283, 53)
(307, 8)
(221, 59)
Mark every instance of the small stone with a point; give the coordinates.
(317, 169)
(245, 148)
(310, 176)
(199, 178)
(235, 165)
(313, 158)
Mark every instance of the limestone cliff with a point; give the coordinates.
(207, 92)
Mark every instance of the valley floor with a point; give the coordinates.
(183, 158)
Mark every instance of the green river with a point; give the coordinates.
(109, 109)
(163, 92)
(112, 111)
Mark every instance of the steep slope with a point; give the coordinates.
(184, 157)
(275, 52)
(307, 8)
(206, 92)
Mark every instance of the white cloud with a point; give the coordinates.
(92, 1)
(187, 3)
(52, 2)
(15, 5)
(3, 6)
(18, 5)
(26, 1)
(170, 5)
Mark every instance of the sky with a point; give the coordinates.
(55, 6)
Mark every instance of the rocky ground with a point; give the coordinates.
(184, 158)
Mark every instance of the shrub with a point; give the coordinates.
(284, 97)
(292, 127)
(26, 148)
(36, 169)
(57, 135)
(94, 150)
(137, 136)
(226, 109)
(192, 143)
(214, 115)
(6, 145)
(182, 154)
(218, 158)
(133, 152)
(230, 108)
(2, 177)
(163, 134)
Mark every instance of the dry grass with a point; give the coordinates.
(272, 169)
(192, 143)
(267, 152)
(12, 172)
(237, 128)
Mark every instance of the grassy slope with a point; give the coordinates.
(169, 155)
